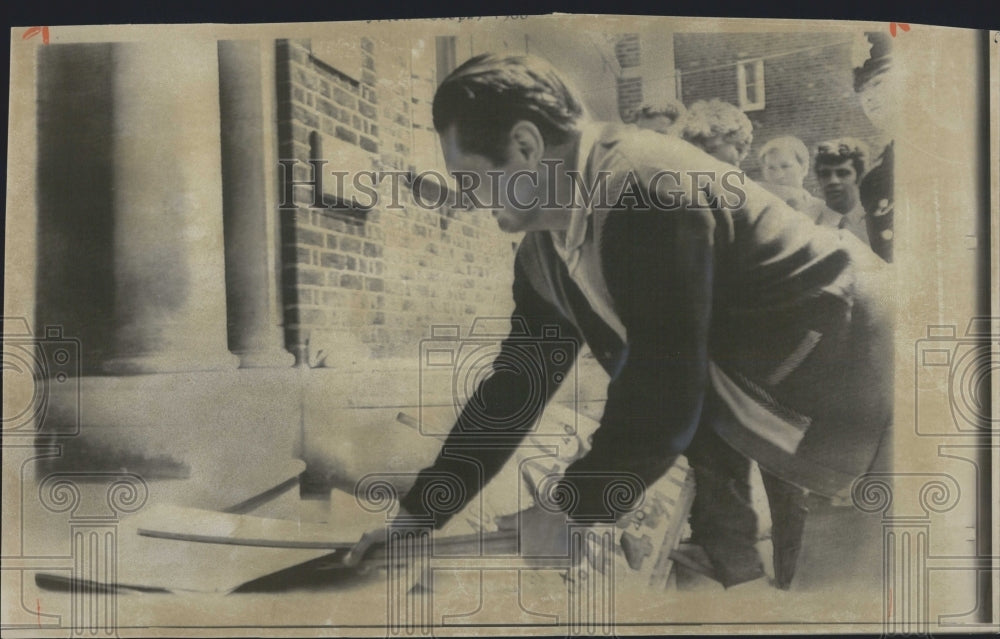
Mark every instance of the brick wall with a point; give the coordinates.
(629, 95)
(808, 94)
(380, 276)
(627, 52)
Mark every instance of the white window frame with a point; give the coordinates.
(743, 99)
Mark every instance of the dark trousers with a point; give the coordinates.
(723, 521)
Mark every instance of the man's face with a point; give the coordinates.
(658, 123)
(515, 194)
(840, 185)
(782, 167)
(877, 98)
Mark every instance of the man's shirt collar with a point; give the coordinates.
(579, 217)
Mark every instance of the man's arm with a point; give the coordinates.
(660, 268)
(505, 406)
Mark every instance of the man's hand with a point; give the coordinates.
(370, 538)
(542, 533)
(417, 580)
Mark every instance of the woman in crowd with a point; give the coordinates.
(720, 129)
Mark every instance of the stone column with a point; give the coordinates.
(169, 277)
(249, 166)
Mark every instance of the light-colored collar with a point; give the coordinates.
(829, 217)
(855, 215)
(579, 218)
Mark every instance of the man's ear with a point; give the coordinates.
(526, 142)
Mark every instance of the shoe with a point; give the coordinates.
(693, 558)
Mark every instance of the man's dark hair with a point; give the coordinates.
(488, 94)
(839, 151)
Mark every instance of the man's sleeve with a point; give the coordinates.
(531, 364)
(663, 287)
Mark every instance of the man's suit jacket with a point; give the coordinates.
(741, 315)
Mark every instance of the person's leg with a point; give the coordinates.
(788, 505)
(723, 521)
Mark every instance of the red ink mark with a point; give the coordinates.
(38, 607)
(33, 31)
(888, 614)
(902, 25)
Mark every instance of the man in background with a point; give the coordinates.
(876, 84)
(840, 164)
